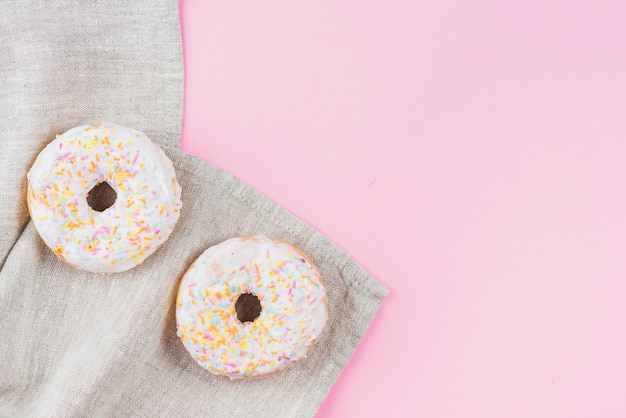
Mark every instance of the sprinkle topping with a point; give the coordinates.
(145, 211)
(293, 307)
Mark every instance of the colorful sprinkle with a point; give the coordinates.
(293, 313)
(118, 238)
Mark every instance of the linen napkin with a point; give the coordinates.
(74, 343)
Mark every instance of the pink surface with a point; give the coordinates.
(470, 155)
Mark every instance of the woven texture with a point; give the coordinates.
(82, 344)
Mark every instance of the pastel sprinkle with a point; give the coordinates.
(294, 311)
(71, 165)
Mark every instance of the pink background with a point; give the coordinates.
(470, 155)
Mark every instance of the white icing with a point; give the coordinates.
(145, 211)
(293, 301)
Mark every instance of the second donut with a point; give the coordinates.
(250, 307)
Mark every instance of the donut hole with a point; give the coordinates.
(248, 307)
(101, 197)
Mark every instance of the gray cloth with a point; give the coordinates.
(80, 344)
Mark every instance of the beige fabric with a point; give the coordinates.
(75, 344)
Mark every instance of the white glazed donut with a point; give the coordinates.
(293, 307)
(145, 211)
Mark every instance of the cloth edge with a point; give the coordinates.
(243, 191)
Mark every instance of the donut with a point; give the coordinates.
(88, 160)
(250, 307)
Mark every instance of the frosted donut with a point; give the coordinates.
(146, 208)
(273, 274)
